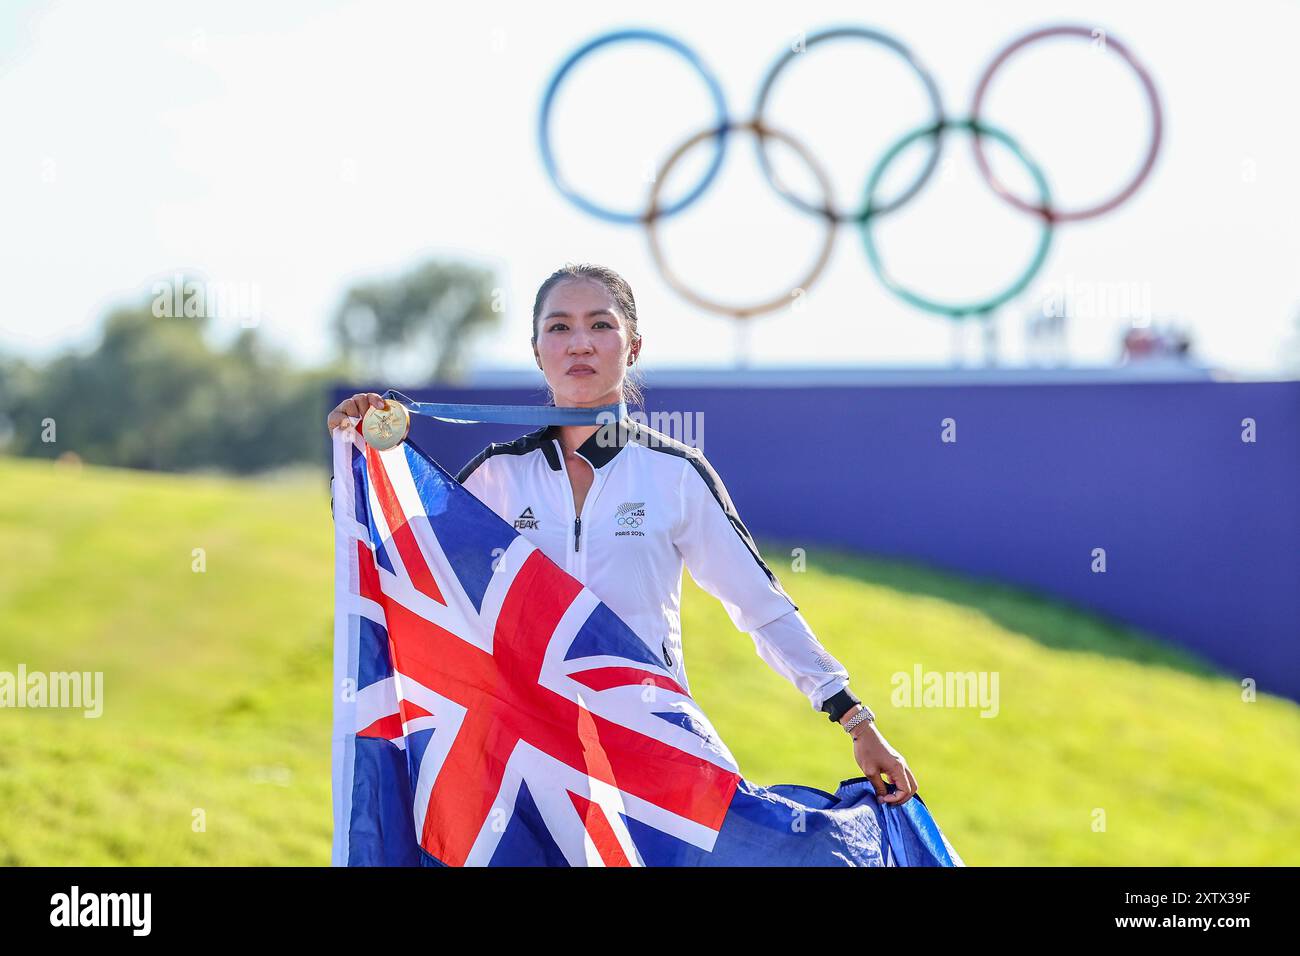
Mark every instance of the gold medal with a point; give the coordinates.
(385, 428)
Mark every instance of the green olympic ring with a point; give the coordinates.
(956, 310)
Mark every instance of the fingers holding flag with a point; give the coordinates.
(903, 781)
(901, 777)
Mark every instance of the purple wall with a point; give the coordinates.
(1201, 530)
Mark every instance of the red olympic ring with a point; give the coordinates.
(1157, 125)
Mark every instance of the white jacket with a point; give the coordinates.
(654, 504)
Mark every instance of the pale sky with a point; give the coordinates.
(296, 147)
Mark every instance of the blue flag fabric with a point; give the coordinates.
(491, 710)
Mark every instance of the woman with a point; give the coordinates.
(623, 508)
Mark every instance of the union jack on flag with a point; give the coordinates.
(490, 710)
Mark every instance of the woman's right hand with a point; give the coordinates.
(353, 407)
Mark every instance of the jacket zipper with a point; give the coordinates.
(577, 519)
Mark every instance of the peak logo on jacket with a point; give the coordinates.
(526, 520)
(629, 517)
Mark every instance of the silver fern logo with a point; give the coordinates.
(630, 515)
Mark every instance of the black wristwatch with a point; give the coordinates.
(837, 705)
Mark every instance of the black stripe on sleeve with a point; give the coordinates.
(715, 485)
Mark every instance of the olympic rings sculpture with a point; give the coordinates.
(870, 209)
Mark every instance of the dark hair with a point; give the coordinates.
(619, 290)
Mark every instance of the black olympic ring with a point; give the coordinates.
(977, 127)
(630, 522)
(873, 36)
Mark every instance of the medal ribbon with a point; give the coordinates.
(511, 414)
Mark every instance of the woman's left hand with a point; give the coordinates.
(875, 756)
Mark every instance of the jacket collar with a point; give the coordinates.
(599, 448)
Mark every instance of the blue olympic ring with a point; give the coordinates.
(544, 122)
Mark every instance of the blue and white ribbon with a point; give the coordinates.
(461, 413)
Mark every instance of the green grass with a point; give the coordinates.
(217, 694)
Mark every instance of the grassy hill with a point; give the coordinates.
(217, 694)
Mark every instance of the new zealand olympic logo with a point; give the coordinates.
(871, 209)
(630, 516)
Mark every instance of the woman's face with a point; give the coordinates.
(583, 344)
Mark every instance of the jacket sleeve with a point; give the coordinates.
(720, 553)
(793, 651)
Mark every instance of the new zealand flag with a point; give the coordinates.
(490, 710)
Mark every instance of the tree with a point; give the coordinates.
(154, 394)
(415, 326)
